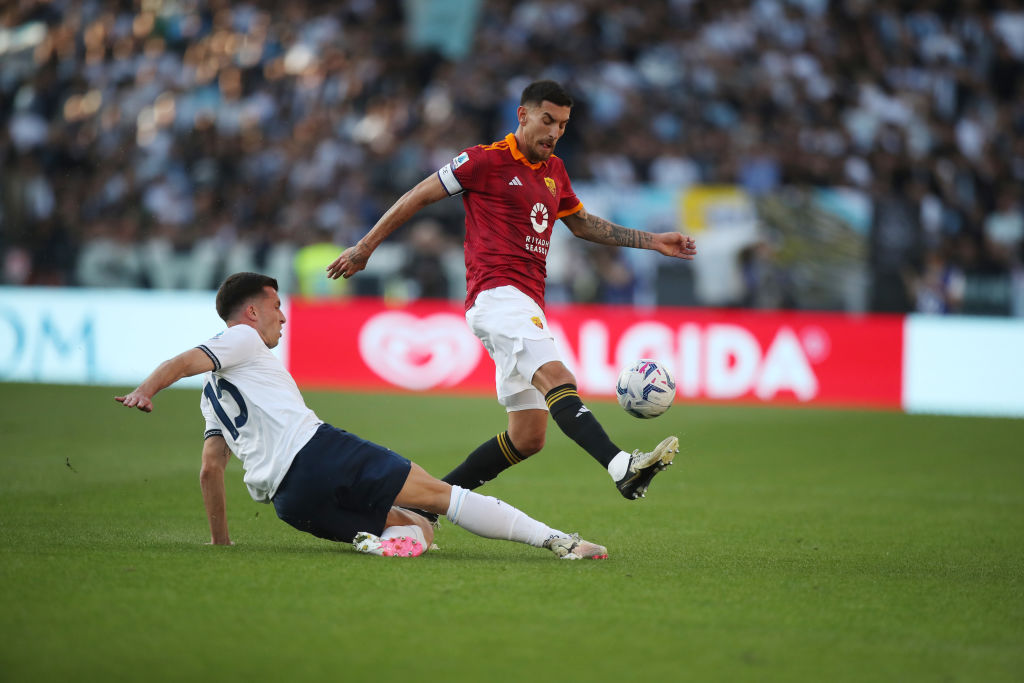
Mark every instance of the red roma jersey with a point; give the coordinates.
(511, 207)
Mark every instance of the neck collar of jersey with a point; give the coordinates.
(513, 147)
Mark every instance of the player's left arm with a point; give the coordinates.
(596, 229)
(211, 480)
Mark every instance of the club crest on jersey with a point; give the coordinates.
(460, 160)
(550, 182)
(537, 321)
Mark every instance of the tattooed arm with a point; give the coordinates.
(596, 229)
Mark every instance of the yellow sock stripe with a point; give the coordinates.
(560, 395)
(506, 449)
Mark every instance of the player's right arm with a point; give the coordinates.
(211, 480)
(353, 259)
(187, 364)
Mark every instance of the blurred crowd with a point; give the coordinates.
(163, 143)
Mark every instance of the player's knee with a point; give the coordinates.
(551, 375)
(399, 517)
(529, 444)
(424, 492)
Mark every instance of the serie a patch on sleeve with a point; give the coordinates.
(447, 175)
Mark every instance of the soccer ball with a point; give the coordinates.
(645, 389)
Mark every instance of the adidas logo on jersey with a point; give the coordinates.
(516, 181)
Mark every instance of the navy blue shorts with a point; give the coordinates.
(339, 485)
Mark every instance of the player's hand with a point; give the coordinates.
(676, 244)
(351, 261)
(136, 399)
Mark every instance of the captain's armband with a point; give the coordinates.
(451, 184)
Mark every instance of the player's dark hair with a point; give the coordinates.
(239, 288)
(550, 91)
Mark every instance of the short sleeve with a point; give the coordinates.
(465, 172)
(213, 426)
(232, 346)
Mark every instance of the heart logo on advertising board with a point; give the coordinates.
(418, 353)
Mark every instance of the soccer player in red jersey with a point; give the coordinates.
(513, 191)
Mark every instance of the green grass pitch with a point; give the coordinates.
(784, 545)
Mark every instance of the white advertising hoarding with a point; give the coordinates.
(963, 366)
(105, 337)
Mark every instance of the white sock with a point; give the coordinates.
(618, 466)
(410, 530)
(492, 518)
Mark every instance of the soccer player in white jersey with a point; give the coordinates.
(321, 479)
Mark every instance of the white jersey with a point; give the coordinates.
(253, 402)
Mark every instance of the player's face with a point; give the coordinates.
(542, 125)
(269, 317)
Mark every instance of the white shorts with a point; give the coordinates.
(515, 333)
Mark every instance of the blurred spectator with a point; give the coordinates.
(110, 254)
(225, 130)
(939, 286)
(1004, 228)
(311, 260)
(424, 269)
(895, 246)
(765, 283)
(616, 281)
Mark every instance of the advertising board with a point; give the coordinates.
(918, 363)
(713, 354)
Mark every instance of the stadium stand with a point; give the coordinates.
(162, 144)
